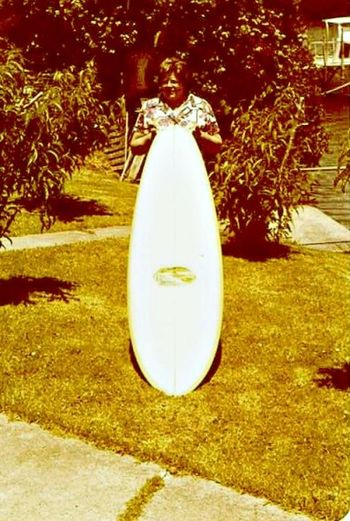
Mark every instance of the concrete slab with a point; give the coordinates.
(46, 240)
(311, 227)
(48, 478)
(189, 499)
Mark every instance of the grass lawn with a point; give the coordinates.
(271, 421)
(93, 198)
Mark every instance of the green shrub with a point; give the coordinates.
(257, 179)
(48, 125)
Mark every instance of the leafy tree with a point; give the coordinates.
(239, 51)
(257, 178)
(48, 124)
(223, 37)
(261, 79)
(83, 30)
(236, 48)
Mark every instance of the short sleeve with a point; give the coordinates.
(208, 121)
(149, 114)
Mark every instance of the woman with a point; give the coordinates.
(175, 105)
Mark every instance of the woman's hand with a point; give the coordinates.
(209, 143)
(141, 141)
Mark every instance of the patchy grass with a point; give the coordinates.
(135, 507)
(271, 421)
(93, 198)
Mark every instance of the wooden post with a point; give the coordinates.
(342, 49)
(326, 47)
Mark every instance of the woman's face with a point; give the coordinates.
(173, 91)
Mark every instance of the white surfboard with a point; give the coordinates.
(175, 281)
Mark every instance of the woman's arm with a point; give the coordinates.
(209, 143)
(141, 141)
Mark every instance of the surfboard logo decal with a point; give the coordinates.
(174, 276)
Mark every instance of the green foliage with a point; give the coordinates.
(257, 179)
(48, 125)
(343, 171)
(83, 29)
(247, 43)
(238, 50)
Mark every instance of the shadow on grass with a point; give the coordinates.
(334, 378)
(254, 253)
(68, 208)
(135, 364)
(214, 366)
(28, 290)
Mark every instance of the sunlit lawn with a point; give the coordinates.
(271, 421)
(94, 197)
(273, 418)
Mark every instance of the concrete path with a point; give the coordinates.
(48, 478)
(310, 227)
(313, 228)
(46, 240)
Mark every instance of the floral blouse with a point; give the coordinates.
(194, 112)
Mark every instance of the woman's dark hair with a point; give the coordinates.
(177, 67)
